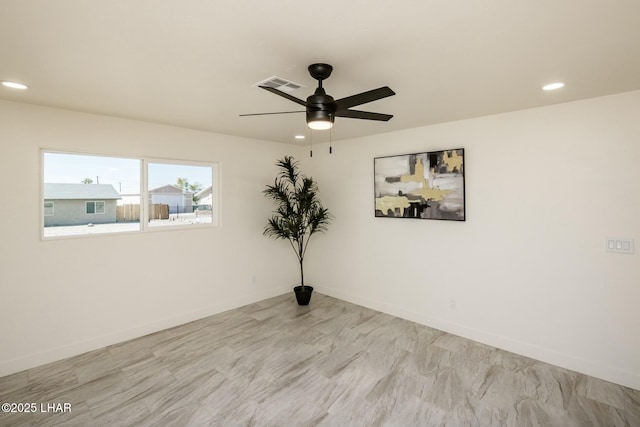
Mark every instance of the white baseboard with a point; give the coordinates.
(73, 349)
(574, 363)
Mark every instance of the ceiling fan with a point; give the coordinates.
(322, 109)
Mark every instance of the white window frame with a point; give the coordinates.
(215, 189)
(143, 194)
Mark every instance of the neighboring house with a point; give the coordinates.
(205, 198)
(179, 200)
(79, 204)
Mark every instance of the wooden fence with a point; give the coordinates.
(131, 213)
(158, 211)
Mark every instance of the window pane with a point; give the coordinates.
(48, 208)
(82, 186)
(180, 194)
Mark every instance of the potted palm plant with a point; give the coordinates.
(298, 216)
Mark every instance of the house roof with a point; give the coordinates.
(168, 189)
(54, 191)
(205, 191)
(446, 60)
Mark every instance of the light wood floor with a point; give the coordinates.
(330, 364)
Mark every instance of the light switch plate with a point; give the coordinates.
(619, 245)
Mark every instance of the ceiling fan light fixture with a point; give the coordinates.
(320, 125)
(320, 120)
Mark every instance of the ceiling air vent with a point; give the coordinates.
(279, 83)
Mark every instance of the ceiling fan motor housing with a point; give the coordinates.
(320, 107)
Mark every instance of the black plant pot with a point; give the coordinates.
(303, 295)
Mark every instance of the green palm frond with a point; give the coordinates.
(298, 212)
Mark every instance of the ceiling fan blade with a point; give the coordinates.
(266, 114)
(355, 114)
(363, 98)
(284, 95)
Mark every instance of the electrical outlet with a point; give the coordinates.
(253, 280)
(452, 303)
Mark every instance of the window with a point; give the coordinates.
(179, 194)
(48, 208)
(98, 194)
(95, 207)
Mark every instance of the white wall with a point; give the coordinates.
(61, 298)
(528, 269)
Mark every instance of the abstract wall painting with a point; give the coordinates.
(423, 185)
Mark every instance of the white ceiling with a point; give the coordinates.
(193, 63)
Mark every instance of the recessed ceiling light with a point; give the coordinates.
(299, 136)
(14, 85)
(553, 86)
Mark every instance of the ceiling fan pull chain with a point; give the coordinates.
(311, 138)
(330, 141)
